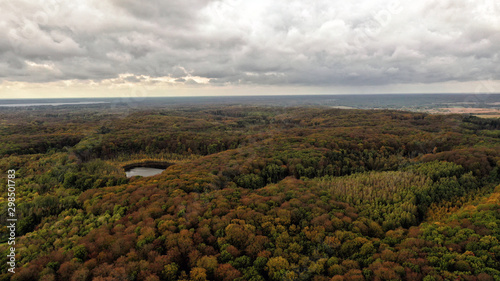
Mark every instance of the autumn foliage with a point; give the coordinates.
(254, 194)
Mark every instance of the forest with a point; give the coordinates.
(251, 193)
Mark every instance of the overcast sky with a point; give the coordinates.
(100, 48)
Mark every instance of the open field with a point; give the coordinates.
(466, 110)
(487, 115)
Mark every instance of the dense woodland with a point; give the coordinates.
(253, 193)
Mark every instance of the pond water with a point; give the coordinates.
(143, 171)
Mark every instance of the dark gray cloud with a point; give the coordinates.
(236, 42)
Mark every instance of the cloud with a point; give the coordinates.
(237, 42)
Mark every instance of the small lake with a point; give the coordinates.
(143, 171)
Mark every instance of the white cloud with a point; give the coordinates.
(236, 42)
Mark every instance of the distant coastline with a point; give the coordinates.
(50, 104)
(430, 103)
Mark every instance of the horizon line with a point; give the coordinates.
(261, 95)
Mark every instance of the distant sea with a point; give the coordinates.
(413, 102)
(20, 104)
